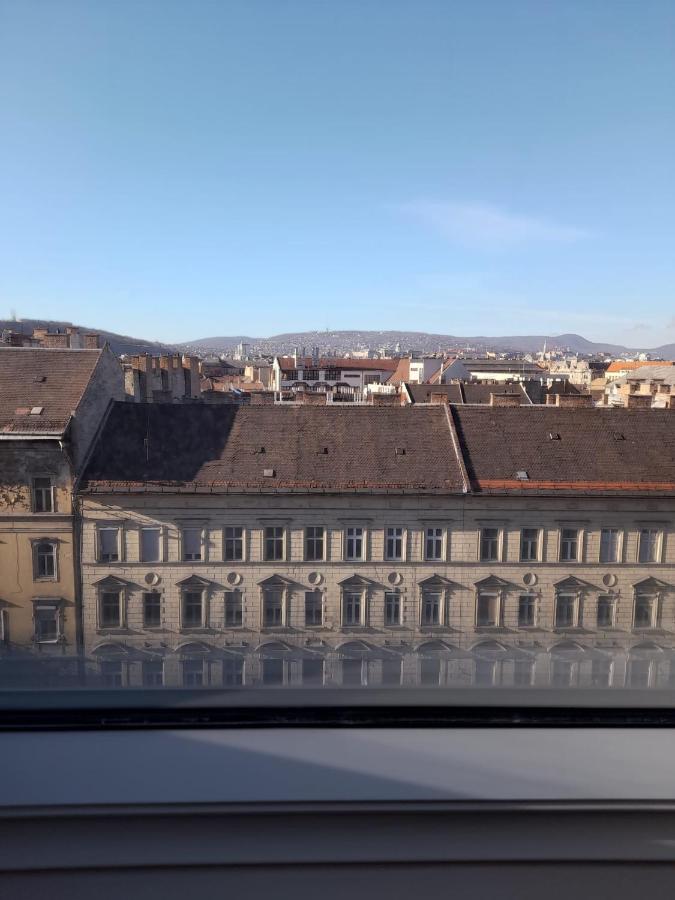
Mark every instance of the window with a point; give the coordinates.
(43, 495)
(569, 545)
(273, 607)
(392, 608)
(150, 544)
(45, 560)
(601, 672)
(313, 608)
(272, 671)
(527, 609)
(433, 544)
(110, 609)
(489, 544)
(529, 545)
(108, 544)
(610, 545)
(391, 672)
(393, 548)
(352, 608)
(274, 543)
(234, 609)
(649, 546)
(488, 609)
(640, 673)
(354, 544)
(312, 671)
(111, 673)
(605, 612)
(233, 671)
(564, 672)
(432, 605)
(354, 672)
(193, 673)
(233, 543)
(523, 672)
(46, 623)
(314, 541)
(645, 613)
(430, 672)
(153, 673)
(192, 544)
(566, 611)
(485, 672)
(152, 610)
(192, 609)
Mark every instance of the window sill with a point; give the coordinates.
(116, 629)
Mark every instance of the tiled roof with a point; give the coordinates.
(52, 381)
(288, 363)
(567, 450)
(623, 365)
(421, 393)
(477, 392)
(196, 447)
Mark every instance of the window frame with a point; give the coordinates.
(54, 606)
(44, 542)
(282, 591)
(145, 595)
(443, 542)
(202, 543)
(284, 543)
(121, 601)
(579, 542)
(362, 538)
(619, 545)
(316, 595)
(362, 594)
(237, 608)
(576, 609)
(442, 606)
(538, 544)
(499, 539)
(609, 600)
(499, 598)
(51, 494)
(99, 544)
(658, 546)
(531, 598)
(193, 589)
(227, 540)
(395, 538)
(308, 540)
(160, 542)
(655, 599)
(398, 609)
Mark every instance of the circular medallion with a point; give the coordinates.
(609, 580)
(234, 578)
(152, 578)
(530, 579)
(394, 578)
(315, 578)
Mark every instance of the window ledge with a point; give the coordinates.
(114, 630)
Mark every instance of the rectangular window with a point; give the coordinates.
(485, 672)
(649, 548)
(645, 611)
(566, 611)
(610, 545)
(150, 544)
(392, 608)
(529, 545)
(46, 624)
(111, 673)
(111, 609)
(433, 544)
(193, 673)
(233, 543)
(152, 609)
(393, 548)
(605, 612)
(354, 544)
(352, 608)
(489, 544)
(523, 672)
(43, 495)
(273, 607)
(430, 672)
(192, 609)
(527, 605)
(274, 543)
(641, 673)
(432, 605)
(108, 544)
(45, 560)
(391, 672)
(569, 545)
(272, 671)
(601, 672)
(354, 672)
(312, 671)
(564, 672)
(487, 609)
(153, 673)
(234, 609)
(313, 608)
(192, 544)
(314, 541)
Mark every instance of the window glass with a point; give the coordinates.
(193, 609)
(392, 608)
(394, 543)
(352, 605)
(192, 544)
(432, 602)
(566, 610)
(109, 544)
(354, 543)
(46, 619)
(487, 612)
(313, 608)
(648, 550)
(527, 605)
(233, 543)
(150, 544)
(489, 544)
(569, 545)
(45, 554)
(433, 544)
(111, 609)
(609, 545)
(234, 612)
(529, 544)
(274, 543)
(152, 609)
(314, 541)
(43, 496)
(273, 606)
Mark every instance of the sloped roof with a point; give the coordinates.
(197, 447)
(421, 393)
(478, 392)
(288, 363)
(624, 365)
(52, 381)
(606, 451)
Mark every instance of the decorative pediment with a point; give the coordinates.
(110, 581)
(567, 647)
(650, 584)
(571, 583)
(355, 581)
(489, 648)
(193, 581)
(355, 649)
(436, 581)
(436, 649)
(275, 581)
(110, 650)
(193, 648)
(492, 581)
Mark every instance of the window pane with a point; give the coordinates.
(605, 612)
(392, 608)
(110, 609)
(234, 543)
(431, 608)
(192, 609)
(234, 613)
(354, 543)
(313, 608)
(274, 543)
(434, 543)
(489, 544)
(46, 624)
(644, 611)
(565, 610)
(526, 610)
(649, 543)
(352, 608)
(314, 541)
(150, 544)
(152, 613)
(569, 540)
(109, 544)
(609, 545)
(394, 543)
(529, 544)
(312, 671)
(273, 607)
(192, 544)
(42, 495)
(46, 560)
(488, 609)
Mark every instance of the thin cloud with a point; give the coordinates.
(489, 226)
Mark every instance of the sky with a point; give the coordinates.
(176, 170)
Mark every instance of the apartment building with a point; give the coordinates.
(418, 545)
(647, 386)
(290, 373)
(52, 402)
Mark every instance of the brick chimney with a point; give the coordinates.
(437, 398)
(385, 400)
(639, 401)
(567, 401)
(505, 399)
(92, 340)
(309, 399)
(56, 341)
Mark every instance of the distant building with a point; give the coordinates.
(621, 367)
(293, 373)
(648, 386)
(162, 379)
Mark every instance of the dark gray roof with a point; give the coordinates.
(195, 447)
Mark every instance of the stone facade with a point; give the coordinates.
(591, 622)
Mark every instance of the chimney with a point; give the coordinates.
(576, 401)
(639, 401)
(92, 341)
(385, 400)
(505, 399)
(437, 398)
(57, 341)
(262, 398)
(309, 399)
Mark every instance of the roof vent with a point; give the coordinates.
(324, 450)
(36, 410)
(39, 379)
(553, 436)
(618, 436)
(259, 450)
(400, 451)
(268, 473)
(522, 475)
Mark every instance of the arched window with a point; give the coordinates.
(45, 560)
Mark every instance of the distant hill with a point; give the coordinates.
(119, 343)
(408, 340)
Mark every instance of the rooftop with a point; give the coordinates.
(288, 363)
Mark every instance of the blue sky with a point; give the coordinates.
(180, 169)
